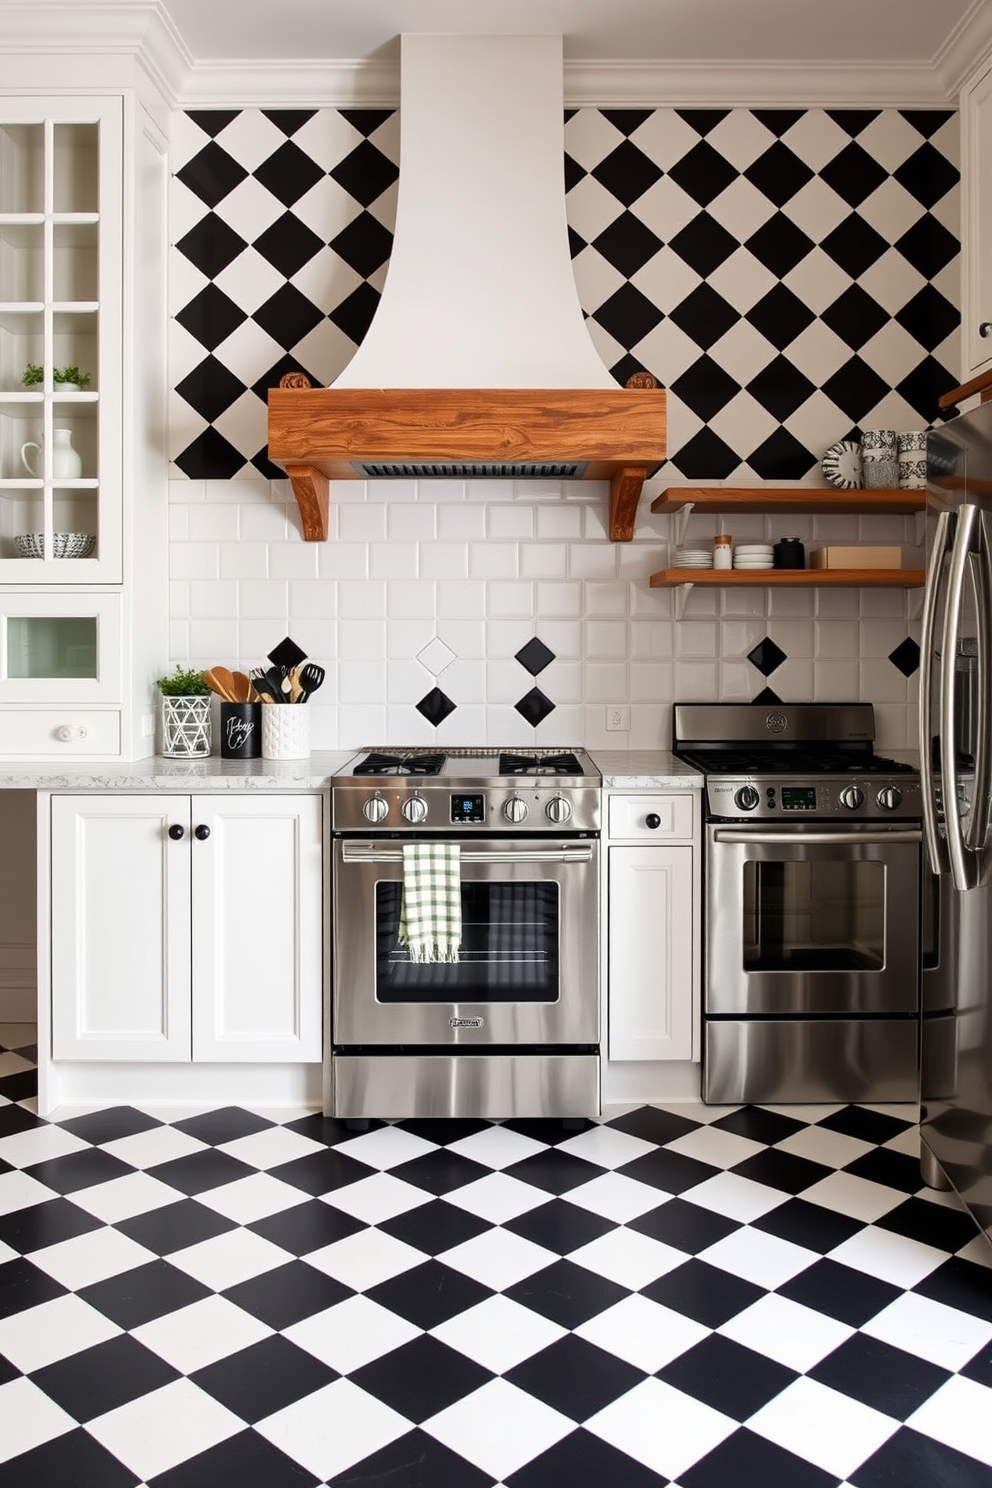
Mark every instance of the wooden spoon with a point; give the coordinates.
(220, 680)
(242, 688)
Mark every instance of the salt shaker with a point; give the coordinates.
(722, 554)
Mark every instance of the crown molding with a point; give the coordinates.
(968, 49)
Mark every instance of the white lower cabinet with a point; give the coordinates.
(653, 926)
(186, 927)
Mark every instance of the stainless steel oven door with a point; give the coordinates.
(807, 919)
(528, 967)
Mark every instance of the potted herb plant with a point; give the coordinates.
(185, 713)
(68, 379)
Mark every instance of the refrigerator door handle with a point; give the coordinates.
(936, 851)
(977, 831)
(963, 872)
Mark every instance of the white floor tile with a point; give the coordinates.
(17, 1035)
(377, 1198)
(266, 1149)
(930, 1330)
(498, 1197)
(330, 1430)
(159, 1144)
(497, 1147)
(906, 1142)
(628, 1258)
(888, 1256)
(365, 1259)
(40, 1144)
(858, 1197)
(721, 1149)
(351, 1333)
(786, 1331)
(498, 1258)
(29, 1418)
(499, 1428)
(823, 1426)
(498, 1333)
(958, 1415)
(821, 1145)
(90, 1258)
(14, 1064)
(607, 1146)
(736, 1197)
(386, 1147)
(764, 1259)
(227, 1259)
(21, 1191)
(616, 1197)
(200, 1334)
(643, 1333)
(248, 1199)
(53, 1330)
(160, 1430)
(661, 1427)
(123, 1198)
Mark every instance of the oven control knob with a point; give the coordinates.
(375, 809)
(889, 798)
(746, 798)
(514, 809)
(415, 810)
(558, 809)
(852, 796)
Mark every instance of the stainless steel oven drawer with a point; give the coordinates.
(815, 1059)
(490, 1086)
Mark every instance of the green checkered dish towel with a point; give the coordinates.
(431, 911)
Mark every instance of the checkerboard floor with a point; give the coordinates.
(710, 1297)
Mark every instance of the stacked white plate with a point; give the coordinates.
(692, 558)
(753, 555)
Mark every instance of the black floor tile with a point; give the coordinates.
(886, 1378)
(931, 1224)
(810, 1225)
(551, 1131)
(199, 1171)
(441, 1171)
(961, 1284)
(685, 1225)
(746, 1460)
(174, 1226)
(429, 1294)
(21, 1086)
(435, 1227)
(839, 1291)
(73, 1460)
(575, 1377)
(911, 1460)
(100, 1379)
(79, 1170)
(891, 1169)
(421, 1378)
(443, 1130)
(287, 1294)
(582, 1460)
(44, 1224)
(324, 1129)
(567, 1294)
(264, 1378)
(7, 1371)
(725, 1375)
(703, 1292)
(782, 1170)
(865, 1124)
(135, 1297)
(759, 1124)
(321, 1172)
(23, 1285)
(979, 1368)
(223, 1125)
(14, 1119)
(246, 1460)
(414, 1460)
(110, 1125)
(669, 1171)
(306, 1227)
(654, 1125)
(554, 1171)
(559, 1226)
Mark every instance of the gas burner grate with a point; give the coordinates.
(539, 764)
(414, 763)
(791, 762)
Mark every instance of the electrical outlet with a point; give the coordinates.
(147, 725)
(617, 720)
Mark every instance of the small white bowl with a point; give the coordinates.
(64, 544)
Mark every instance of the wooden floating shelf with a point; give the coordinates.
(790, 578)
(819, 500)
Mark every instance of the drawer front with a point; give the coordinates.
(61, 733)
(628, 816)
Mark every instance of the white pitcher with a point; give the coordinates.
(67, 462)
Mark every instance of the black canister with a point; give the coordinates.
(240, 730)
(789, 552)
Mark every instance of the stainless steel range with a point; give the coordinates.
(812, 902)
(510, 1028)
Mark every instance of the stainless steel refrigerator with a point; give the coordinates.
(955, 763)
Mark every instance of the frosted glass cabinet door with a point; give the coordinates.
(60, 648)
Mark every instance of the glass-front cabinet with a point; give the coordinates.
(60, 340)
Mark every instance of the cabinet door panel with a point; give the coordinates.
(651, 993)
(257, 940)
(120, 928)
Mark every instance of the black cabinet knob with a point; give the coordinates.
(201, 833)
(652, 820)
(176, 832)
(985, 329)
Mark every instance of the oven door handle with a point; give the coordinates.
(817, 839)
(571, 852)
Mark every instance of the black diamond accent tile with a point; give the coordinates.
(839, 1291)
(704, 316)
(288, 316)
(853, 174)
(245, 1459)
(808, 1224)
(288, 244)
(435, 706)
(766, 656)
(534, 656)
(575, 243)
(212, 174)
(886, 1378)
(705, 457)
(271, 376)
(415, 1460)
(728, 1377)
(927, 121)
(780, 388)
(288, 173)
(854, 245)
(627, 121)
(767, 697)
(781, 457)
(49, 1223)
(916, 1461)
(75, 1457)
(626, 173)
(582, 1460)
(213, 121)
(353, 315)
(264, 1378)
(628, 315)
(289, 121)
(210, 457)
(627, 244)
(174, 1226)
(210, 388)
(927, 175)
(225, 1124)
(574, 173)
(624, 369)
(22, 1285)
(534, 706)
(365, 120)
(102, 1378)
(686, 1226)
(779, 245)
(703, 173)
(778, 121)
(434, 1228)
(928, 246)
(210, 317)
(429, 1294)
(559, 1226)
(287, 1294)
(780, 316)
(855, 317)
(906, 657)
(855, 388)
(704, 244)
(745, 1458)
(134, 1297)
(782, 1170)
(852, 121)
(211, 245)
(705, 387)
(365, 173)
(421, 1378)
(703, 1292)
(574, 1377)
(929, 317)
(703, 121)
(927, 382)
(199, 1171)
(778, 173)
(960, 1284)
(365, 245)
(567, 1294)
(306, 1227)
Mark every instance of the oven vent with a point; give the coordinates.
(472, 470)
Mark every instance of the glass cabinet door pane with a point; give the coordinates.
(51, 646)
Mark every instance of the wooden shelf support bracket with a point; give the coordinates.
(312, 491)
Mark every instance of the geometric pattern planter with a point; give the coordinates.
(185, 726)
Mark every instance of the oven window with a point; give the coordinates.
(509, 950)
(827, 915)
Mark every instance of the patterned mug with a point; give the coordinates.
(880, 458)
(913, 460)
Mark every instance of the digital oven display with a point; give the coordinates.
(799, 798)
(468, 809)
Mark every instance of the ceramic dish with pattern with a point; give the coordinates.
(842, 465)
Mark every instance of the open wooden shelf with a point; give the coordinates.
(819, 500)
(790, 578)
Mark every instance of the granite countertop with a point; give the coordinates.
(645, 769)
(157, 773)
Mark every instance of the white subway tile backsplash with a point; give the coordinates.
(837, 640)
(444, 561)
(509, 522)
(244, 560)
(605, 599)
(393, 560)
(593, 560)
(563, 637)
(464, 523)
(883, 683)
(543, 560)
(460, 601)
(361, 640)
(836, 681)
(413, 599)
(606, 638)
(268, 521)
(509, 601)
(362, 682)
(212, 642)
(361, 601)
(342, 560)
(293, 560)
(313, 599)
(493, 560)
(208, 599)
(365, 523)
(408, 522)
(560, 523)
(214, 522)
(263, 599)
(563, 600)
(189, 560)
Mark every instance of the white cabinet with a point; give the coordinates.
(653, 925)
(976, 199)
(186, 927)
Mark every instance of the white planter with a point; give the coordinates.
(185, 726)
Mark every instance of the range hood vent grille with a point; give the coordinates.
(472, 470)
